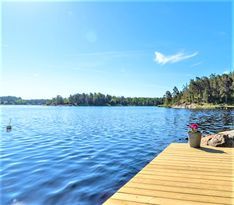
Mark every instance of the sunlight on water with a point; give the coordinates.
(15, 202)
(82, 155)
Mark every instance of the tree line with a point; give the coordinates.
(12, 100)
(215, 89)
(99, 99)
(91, 99)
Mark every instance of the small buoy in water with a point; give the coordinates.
(9, 127)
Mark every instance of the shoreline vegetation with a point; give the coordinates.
(213, 92)
(92, 99)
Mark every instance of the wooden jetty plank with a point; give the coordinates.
(154, 200)
(193, 164)
(182, 179)
(192, 168)
(181, 184)
(201, 161)
(189, 172)
(176, 195)
(187, 175)
(182, 175)
(180, 189)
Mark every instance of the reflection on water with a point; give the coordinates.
(82, 155)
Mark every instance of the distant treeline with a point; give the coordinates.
(12, 100)
(215, 89)
(99, 99)
(92, 99)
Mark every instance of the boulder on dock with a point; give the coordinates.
(222, 139)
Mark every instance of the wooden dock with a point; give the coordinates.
(182, 175)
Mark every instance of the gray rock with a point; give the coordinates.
(222, 139)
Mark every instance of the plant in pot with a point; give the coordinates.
(194, 136)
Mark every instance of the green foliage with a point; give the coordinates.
(217, 89)
(91, 99)
(167, 98)
(99, 99)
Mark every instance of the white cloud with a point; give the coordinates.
(163, 59)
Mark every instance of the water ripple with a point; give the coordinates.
(82, 155)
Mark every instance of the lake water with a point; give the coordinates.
(82, 155)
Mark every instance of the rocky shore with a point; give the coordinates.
(221, 139)
(202, 106)
(185, 105)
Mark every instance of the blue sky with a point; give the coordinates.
(125, 48)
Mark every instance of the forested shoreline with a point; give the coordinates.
(215, 89)
(91, 99)
(212, 90)
(99, 99)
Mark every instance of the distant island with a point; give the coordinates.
(215, 91)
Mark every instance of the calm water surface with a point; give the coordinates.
(82, 155)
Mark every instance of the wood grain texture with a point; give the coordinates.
(182, 175)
